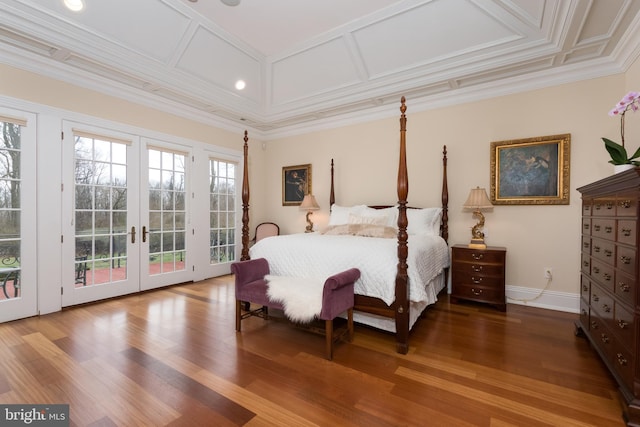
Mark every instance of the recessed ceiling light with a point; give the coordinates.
(240, 84)
(74, 5)
(231, 2)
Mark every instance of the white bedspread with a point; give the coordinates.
(318, 256)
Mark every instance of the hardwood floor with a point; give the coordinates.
(172, 357)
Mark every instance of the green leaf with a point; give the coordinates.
(617, 152)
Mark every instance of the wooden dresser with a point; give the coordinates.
(610, 301)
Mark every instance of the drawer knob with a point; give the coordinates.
(604, 338)
(586, 226)
(477, 256)
(606, 308)
(595, 298)
(596, 270)
(622, 324)
(623, 287)
(476, 280)
(594, 324)
(608, 252)
(608, 229)
(606, 276)
(476, 268)
(476, 292)
(626, 232)
(596, 249)
(585, 288)
(625, 259)
(625, 204)
(596, 227)
(621, 359)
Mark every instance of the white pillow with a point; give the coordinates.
(340, 214)
(424, 221)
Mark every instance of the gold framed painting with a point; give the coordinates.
(296, 182)
(531, 171)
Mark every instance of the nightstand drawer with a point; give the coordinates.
(480, 293)
(470, 255)
(469, 278)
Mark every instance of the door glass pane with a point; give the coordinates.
(10, 210)
(222, 213)
(167, 212)
(100, 211)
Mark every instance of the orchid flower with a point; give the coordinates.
(630, 101)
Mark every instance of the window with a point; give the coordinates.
(222, 211)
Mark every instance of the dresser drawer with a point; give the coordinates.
(622, 361)
(605, 206)
(601, 303)
(623, 326)
(586, 244)
(627, 205)
(585, 288)
(585, 263)
(626, 259)
(625, 289)
(603, 273)
(604, 228)
(603, 250)
(627, 231)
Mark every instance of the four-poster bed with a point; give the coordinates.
(398, 307)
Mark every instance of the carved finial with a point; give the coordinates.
(403, 107)
(246, 136)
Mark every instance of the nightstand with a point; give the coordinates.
(478, 275)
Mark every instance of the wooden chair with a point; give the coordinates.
(337, 297)
(266, 229)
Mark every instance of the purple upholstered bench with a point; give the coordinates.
(337, 296)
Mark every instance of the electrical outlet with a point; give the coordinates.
(548, 273)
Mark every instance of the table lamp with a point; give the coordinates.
(478, 201)
(309, 204)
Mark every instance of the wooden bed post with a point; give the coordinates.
(245, 202)
(332, 194)
(401, 304)
(444, 231)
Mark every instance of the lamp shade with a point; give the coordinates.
(309, 203)
(478, 199)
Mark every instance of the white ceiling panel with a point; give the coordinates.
(312, 63)
(315, 71)
(217, 61)
(424, 35)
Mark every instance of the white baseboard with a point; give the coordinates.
(551, 300)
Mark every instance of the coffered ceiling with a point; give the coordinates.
(311, 62)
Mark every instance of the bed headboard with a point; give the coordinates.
(444, 225)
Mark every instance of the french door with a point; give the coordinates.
(100, 214)
(166, 235)
(18, 291)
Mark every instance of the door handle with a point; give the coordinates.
(133, 234)
(144, 233)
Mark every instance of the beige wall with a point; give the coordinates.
(535, 236)
(366, 157)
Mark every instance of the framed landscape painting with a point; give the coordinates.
(531, 171)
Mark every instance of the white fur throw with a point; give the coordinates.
(300, 297)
